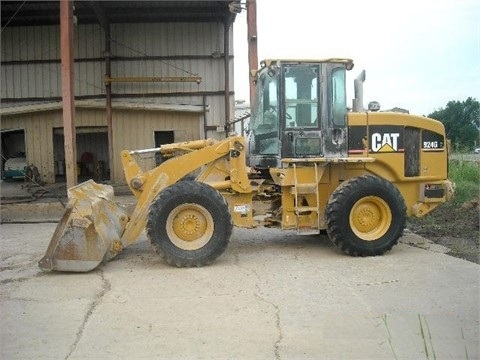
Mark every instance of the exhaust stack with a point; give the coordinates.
(358, 89)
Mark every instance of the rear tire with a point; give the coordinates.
(189, 224)
(365, 216)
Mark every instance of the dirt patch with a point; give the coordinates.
(455, 227)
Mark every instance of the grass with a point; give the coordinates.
(466, 176)
(455, 224)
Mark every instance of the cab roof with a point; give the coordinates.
(268, 62)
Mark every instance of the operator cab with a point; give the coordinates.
(300, 111)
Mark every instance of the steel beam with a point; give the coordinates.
(108, 99)
(252, 45)
(226, 51)
(132, 79)
(68, 95)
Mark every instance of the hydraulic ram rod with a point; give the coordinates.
(185, 146)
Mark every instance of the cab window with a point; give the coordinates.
(265, 123)
(339, 97)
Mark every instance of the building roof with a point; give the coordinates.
(17, 109)
(30, 13)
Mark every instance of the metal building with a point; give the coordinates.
(146, 73)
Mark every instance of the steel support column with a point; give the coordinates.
(68, 95)
(252, 45)
(108, 105)
(226, 50)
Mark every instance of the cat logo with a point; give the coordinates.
(387, 142)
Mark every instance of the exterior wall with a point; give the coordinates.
(31, 73)
(31, 67)
(139, 125)
(136, 50)
(39, 149)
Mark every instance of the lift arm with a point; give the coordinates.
(146, 185)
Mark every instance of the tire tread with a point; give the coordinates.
(175, 195)
(336, 215)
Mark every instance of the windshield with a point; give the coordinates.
(264, 123)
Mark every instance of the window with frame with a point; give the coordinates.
(301, 91)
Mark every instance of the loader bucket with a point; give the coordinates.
(89, 231)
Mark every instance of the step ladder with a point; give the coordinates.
(303, 189)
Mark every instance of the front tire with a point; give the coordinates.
(365, 216)
(189, 224)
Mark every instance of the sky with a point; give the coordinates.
(418, 55)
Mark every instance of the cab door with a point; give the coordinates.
(334, 126)
(301, 113)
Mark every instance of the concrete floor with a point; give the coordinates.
(42, 203)
(272, 295)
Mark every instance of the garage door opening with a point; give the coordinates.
(92, 154)
(13, 154)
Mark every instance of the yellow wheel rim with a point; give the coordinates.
(189, 226)
(370, 218)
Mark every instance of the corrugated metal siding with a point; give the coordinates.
(38, 140)
(131, 130)
(135, 130)
(31, 43)
(43, 80)
(214, 115)
(128, 40)
(37, 80)
(171, 39)
(167, 39)
(31, 80)
(89, 41)
(39, 143)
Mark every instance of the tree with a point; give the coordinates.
(462, 122)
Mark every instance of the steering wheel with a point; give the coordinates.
(274, 109)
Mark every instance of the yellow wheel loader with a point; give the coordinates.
(308, 164)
